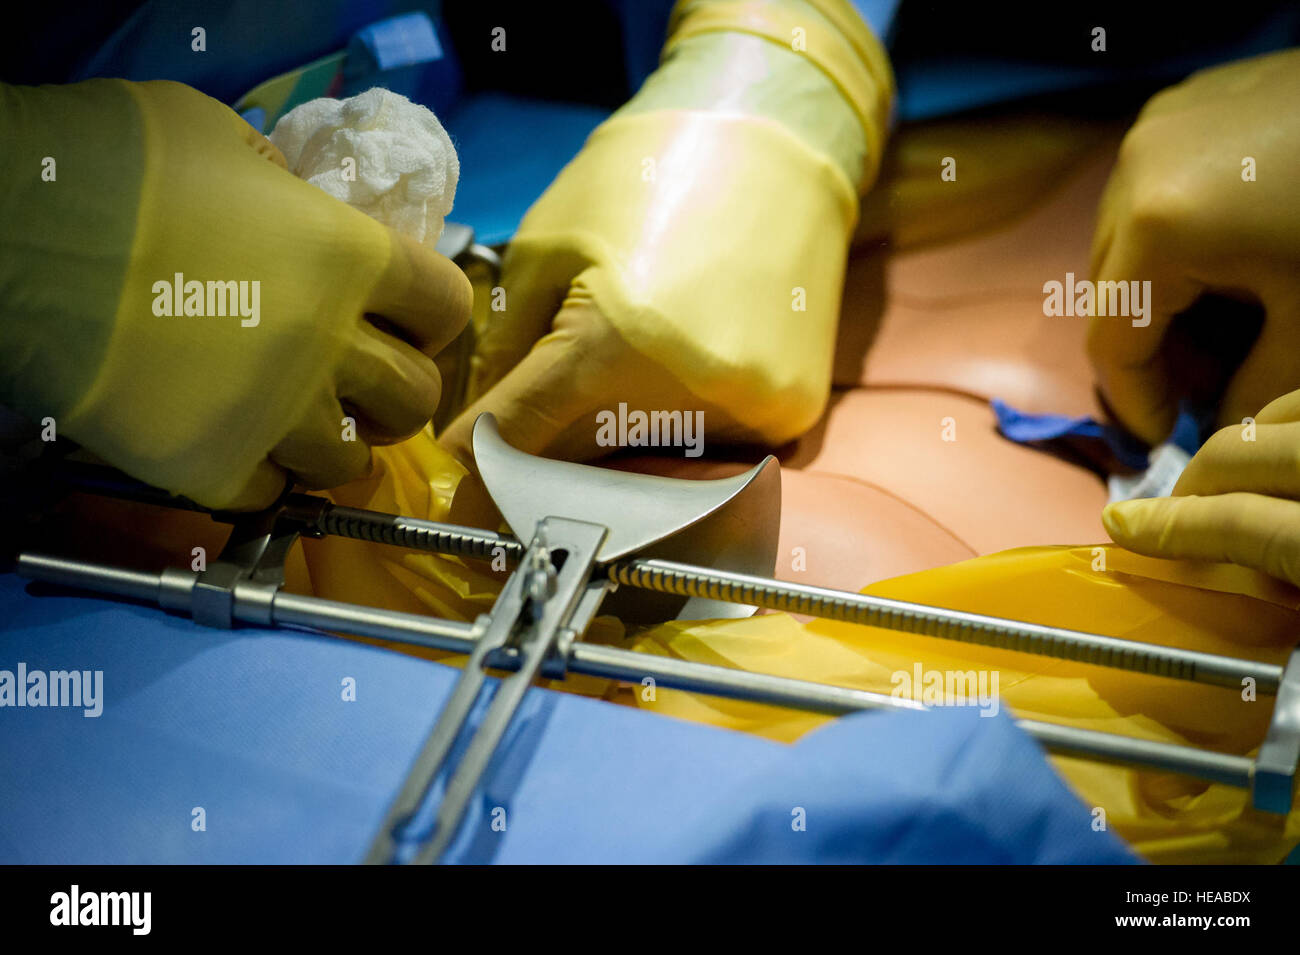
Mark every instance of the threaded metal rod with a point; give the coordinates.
(686, 580)
(417, 534)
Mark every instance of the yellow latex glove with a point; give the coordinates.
(1238, 500)
(691, 256)
(155, 179)
(1178, 214)
(1006, 165)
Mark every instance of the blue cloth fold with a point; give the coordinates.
(1107, 447)
(252, 727)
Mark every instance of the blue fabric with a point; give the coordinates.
(880, 16)
(1051, 432)
(929, 88)
(406, 55)
(397, 41)
(248, 41)
(1046, 431)
(255, 117)
(948, 786)
(510, 150)
(251, 726)
(1189, 429)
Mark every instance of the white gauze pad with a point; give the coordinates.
(403, 169)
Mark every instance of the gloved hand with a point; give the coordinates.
(1006, 165)
(1237, 501)
(1177, 213)
(155, 184)
(692, 255)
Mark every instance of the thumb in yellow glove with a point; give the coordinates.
(1205, 198)
(1237, 501)
(691, 257)
(192, 313)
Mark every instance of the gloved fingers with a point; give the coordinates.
(424, 295)
(1252, 530)
(533, 289)
(1280, 410)
(1272, 367)
(188, 102)
(1261, 460)
(323, 451)
(1126, 358)
(1114, 199)
(391, 385)
(191, 100)
(539, 400)
(263, 487)
(261, 145)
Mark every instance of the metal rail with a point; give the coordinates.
(264, 605)
(690, 581)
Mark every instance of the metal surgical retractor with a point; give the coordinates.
(647, 549)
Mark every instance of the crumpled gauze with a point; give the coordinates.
(404, 168)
